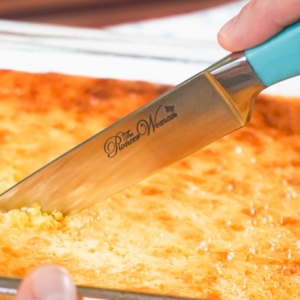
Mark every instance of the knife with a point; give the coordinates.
(197, 112)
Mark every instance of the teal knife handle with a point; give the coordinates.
(278, 58)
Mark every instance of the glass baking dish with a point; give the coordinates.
(9, 287)
(100, 53)
(111, 54)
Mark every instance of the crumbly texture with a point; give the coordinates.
(224, 223)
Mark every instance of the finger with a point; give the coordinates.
(47, 283)
(258, 21)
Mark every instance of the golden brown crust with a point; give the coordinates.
(223, 223)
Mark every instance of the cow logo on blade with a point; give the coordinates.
(122, 140)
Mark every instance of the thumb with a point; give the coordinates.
(48, 282)
(258, 21)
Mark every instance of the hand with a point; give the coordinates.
(258, 21)
(48, 282)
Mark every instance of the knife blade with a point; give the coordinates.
(197, 112)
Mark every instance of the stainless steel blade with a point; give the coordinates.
(192, 115)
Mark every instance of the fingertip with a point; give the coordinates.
(227, 28)
(258, 21)
(223, 42)
(46, 283)
(229, 36)
(25, 289)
